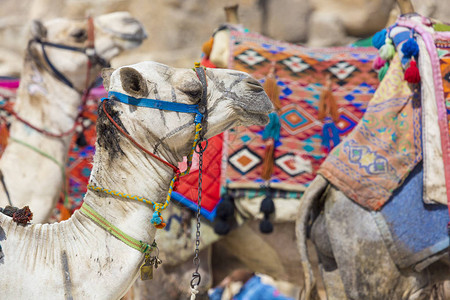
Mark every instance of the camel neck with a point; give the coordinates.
(131, 173)
(47, 104)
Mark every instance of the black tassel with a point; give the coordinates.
(225, 209)
(265, 226)
(224, 215)
(267, 205)
(267, 208)
(81, 140)
(221, 227)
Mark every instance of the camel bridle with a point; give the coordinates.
(88, 50)
(93, 59)
(200, 111)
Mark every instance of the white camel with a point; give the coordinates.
(79, 259)
(51, 101)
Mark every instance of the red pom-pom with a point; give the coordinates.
(412, 74)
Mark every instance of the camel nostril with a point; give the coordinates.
(253, 84)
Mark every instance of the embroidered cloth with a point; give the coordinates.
(385, 146)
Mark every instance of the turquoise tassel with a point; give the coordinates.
(272, 130)
(156, 219)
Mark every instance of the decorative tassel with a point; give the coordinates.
(272, 130)
(268, 161)
(81, 140)
(265, 226)
(161, 225)
(387, 51)
(378, 63)
(224, 215)
(64, 212)
(23, 215)
(379, 38)
(328, 106)
(225, 209)
(410, 48)
(267, 205)
(412, 74)
(267, 208)
(221, 227)
(156, 218)
(207, 46)
(330, 133)
(4, 135)
(383, 72)
(272, 89)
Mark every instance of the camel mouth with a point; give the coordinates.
(254, 118)
(122, 26)
(136, 37)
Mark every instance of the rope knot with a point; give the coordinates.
(157, 219)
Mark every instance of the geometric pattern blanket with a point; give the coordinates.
(236, 156)
(385, 146)
(301, 75)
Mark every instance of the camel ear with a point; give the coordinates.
(38, 30)
(106, 75)
(132, 82)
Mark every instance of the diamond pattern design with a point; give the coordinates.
(244, 160)
(342, 70)
(295, 119)
(251, 57)
(296, 64)
(347, 122)
(293, 164)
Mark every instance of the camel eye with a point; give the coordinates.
(194, 93)
(80, 35)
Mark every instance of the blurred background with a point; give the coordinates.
(177, 28)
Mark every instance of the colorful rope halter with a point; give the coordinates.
(200, 119)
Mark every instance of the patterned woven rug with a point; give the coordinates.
(301, 75)
(385, 146)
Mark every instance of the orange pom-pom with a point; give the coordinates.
(160, 226)
(65, 213)
(412, 74)
(207, 46)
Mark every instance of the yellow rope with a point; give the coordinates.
(156, 220)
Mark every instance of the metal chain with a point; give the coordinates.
(196, 277)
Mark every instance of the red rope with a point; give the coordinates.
(174, 168)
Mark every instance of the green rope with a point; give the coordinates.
(105, 224)
(60, 165)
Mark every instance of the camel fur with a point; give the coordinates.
(49, 104)
(79, 259)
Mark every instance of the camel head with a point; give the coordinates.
(233, 98)
(113, 33)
